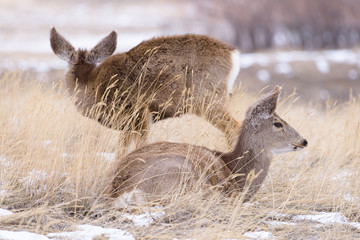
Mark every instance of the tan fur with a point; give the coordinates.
(161, 77)
(158, 170)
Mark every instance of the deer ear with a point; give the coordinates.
(264, 107)
(103, 49)
(61, 47)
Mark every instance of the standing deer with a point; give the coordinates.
(157, 79)
(159, 169)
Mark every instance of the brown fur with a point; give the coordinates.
(162, 76)
(159, 169)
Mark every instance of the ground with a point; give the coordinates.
(53, 161)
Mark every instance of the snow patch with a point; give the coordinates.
(20, 235)
(327, 218)
(89, 232)
(283, 68)
(4, 162)
(324, 94)
(107, 156)
(324, 218)
(279, 223)
(321, 58)
(348, 197)
(353, 74)
(46, 143)
(4, 212)
(145, 219)
(322, 65)
(33, 177)
(263, 75)
(258, 235)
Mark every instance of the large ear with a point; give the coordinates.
(103, 49)
(264, 107)
(61, 47)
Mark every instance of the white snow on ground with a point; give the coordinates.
(3, 193)
(258, 235)
(348, 197)
(33, 64)
(4, 212)
(321, 58)
(142, 220)
(283, 68)
(263, 75)
(83, 232)
(353, 74)
(147, 218)
(107, 156)
(33, 177)
(89, 232)
(20, 235)
(327, 218)
(278, 223)
(322, 65)
(4, 162)
(324, 218)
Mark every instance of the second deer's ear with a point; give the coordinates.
(265, 106)
(61, 47)
(103, 49)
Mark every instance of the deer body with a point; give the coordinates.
(160, 169)
(164, 74)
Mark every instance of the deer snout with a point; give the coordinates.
(300, 145)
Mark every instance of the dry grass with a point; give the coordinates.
(53, 165)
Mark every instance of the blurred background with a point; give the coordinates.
(312, 46)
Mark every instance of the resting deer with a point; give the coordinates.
(157, 170)
(157, 79)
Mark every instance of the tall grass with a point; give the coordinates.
(54, 164)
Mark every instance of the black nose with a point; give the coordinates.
(305, 143)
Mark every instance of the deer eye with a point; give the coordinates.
(278, 125)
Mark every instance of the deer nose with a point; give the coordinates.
(305, 143)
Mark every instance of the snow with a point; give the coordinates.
(324, 94)
(278, 223)
(3, 193)
(283, 68)
(90, 232)
(83, 232)
(4, 212)
(258, 235)
(353, 74)
(20, 235)
(322, 65)
(324, 218)
(4, 162)
(107, 156)
(348, 197)
(263, 75)
(327, 218)
(33, 177)
(145, 219)
(321, 58)
(46, 143)
(142, 220)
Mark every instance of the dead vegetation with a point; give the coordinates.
(54, 164)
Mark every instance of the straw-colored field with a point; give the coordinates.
(54, 161)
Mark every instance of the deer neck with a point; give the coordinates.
(248, 155)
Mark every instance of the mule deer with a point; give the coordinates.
(158, 79)
(157, 170)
